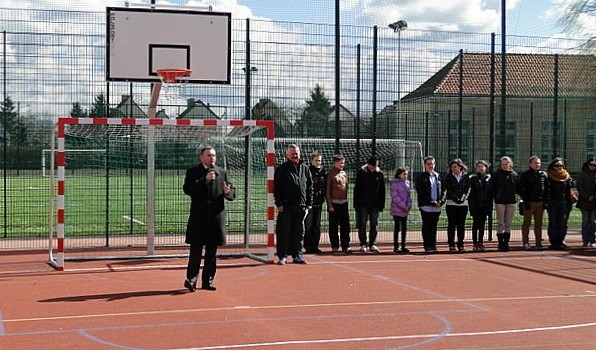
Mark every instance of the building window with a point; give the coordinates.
(510, 138)
(591, 138)
(453, 139)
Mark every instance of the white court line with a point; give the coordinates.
(396, 337)
(133, 220)
(295, 306)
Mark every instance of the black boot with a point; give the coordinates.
(501, 239)
(506, 237)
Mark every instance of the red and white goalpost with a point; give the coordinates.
(59, 242)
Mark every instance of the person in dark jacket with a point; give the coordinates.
(480, 203)
(530, 188)
(293, 198)
(208, 186)
(312, 222)
(504, 183)
(430, 191)
(586, 188)
(457, 187)
(369, 201)
(557, 197)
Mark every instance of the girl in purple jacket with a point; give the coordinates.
(401, 203)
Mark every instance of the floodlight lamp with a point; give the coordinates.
(399, 25)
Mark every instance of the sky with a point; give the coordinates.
(524, 17)
(535, 18)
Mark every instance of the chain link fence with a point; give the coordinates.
(442, 90)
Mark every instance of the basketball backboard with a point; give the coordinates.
(140, 41)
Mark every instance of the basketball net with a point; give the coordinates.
(174, 82)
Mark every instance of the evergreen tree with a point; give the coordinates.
(316, 112)
(78, 111)
(16, 131)
(99, 109)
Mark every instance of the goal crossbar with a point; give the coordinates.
(151, 127)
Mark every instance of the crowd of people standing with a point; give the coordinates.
(301, 191)
(459, 192)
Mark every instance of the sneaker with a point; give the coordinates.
(347, 250)
(299, 260)
(396, 250)
(527, 247)
(452, 250)
(405, 250)
(476, 248)
(461, 249)
(281, 261)
(374, 248)
(334, 250)
(482, 247)
(363, 248)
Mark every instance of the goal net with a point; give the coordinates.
(76, 158)
(124, 198)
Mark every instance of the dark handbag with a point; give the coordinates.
(520, 207)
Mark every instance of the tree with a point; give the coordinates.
(99, 109)
(78, 111)
(316, 112)
(578, 19)
(16, 131)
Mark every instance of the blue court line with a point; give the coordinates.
(239, 320)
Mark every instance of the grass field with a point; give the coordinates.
(116, 206)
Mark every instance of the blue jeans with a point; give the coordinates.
(557, 219)
(588, 226)
(371, 215)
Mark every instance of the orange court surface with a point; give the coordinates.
(491, 300)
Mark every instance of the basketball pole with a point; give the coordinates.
(151, 114)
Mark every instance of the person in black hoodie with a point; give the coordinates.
(504, 183)
(531, 187)
(369, 201)
(586, 187)
(480, 203)
(457, 185)
(312, 222)
(557, 195)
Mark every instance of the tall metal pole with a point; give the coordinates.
(503, 117)
(460, 116)
(556, 108)
(491, 149)
(358, 49)
(4, 141)
(399, 66)
(337, 76)
(247, 142)
(374, 92)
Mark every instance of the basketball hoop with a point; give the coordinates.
(174, 75)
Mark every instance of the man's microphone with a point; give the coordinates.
(209, 171)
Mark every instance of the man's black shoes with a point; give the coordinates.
(209, 286)
(191, 284)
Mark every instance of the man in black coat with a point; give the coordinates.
(293, 198)
(208, 186)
